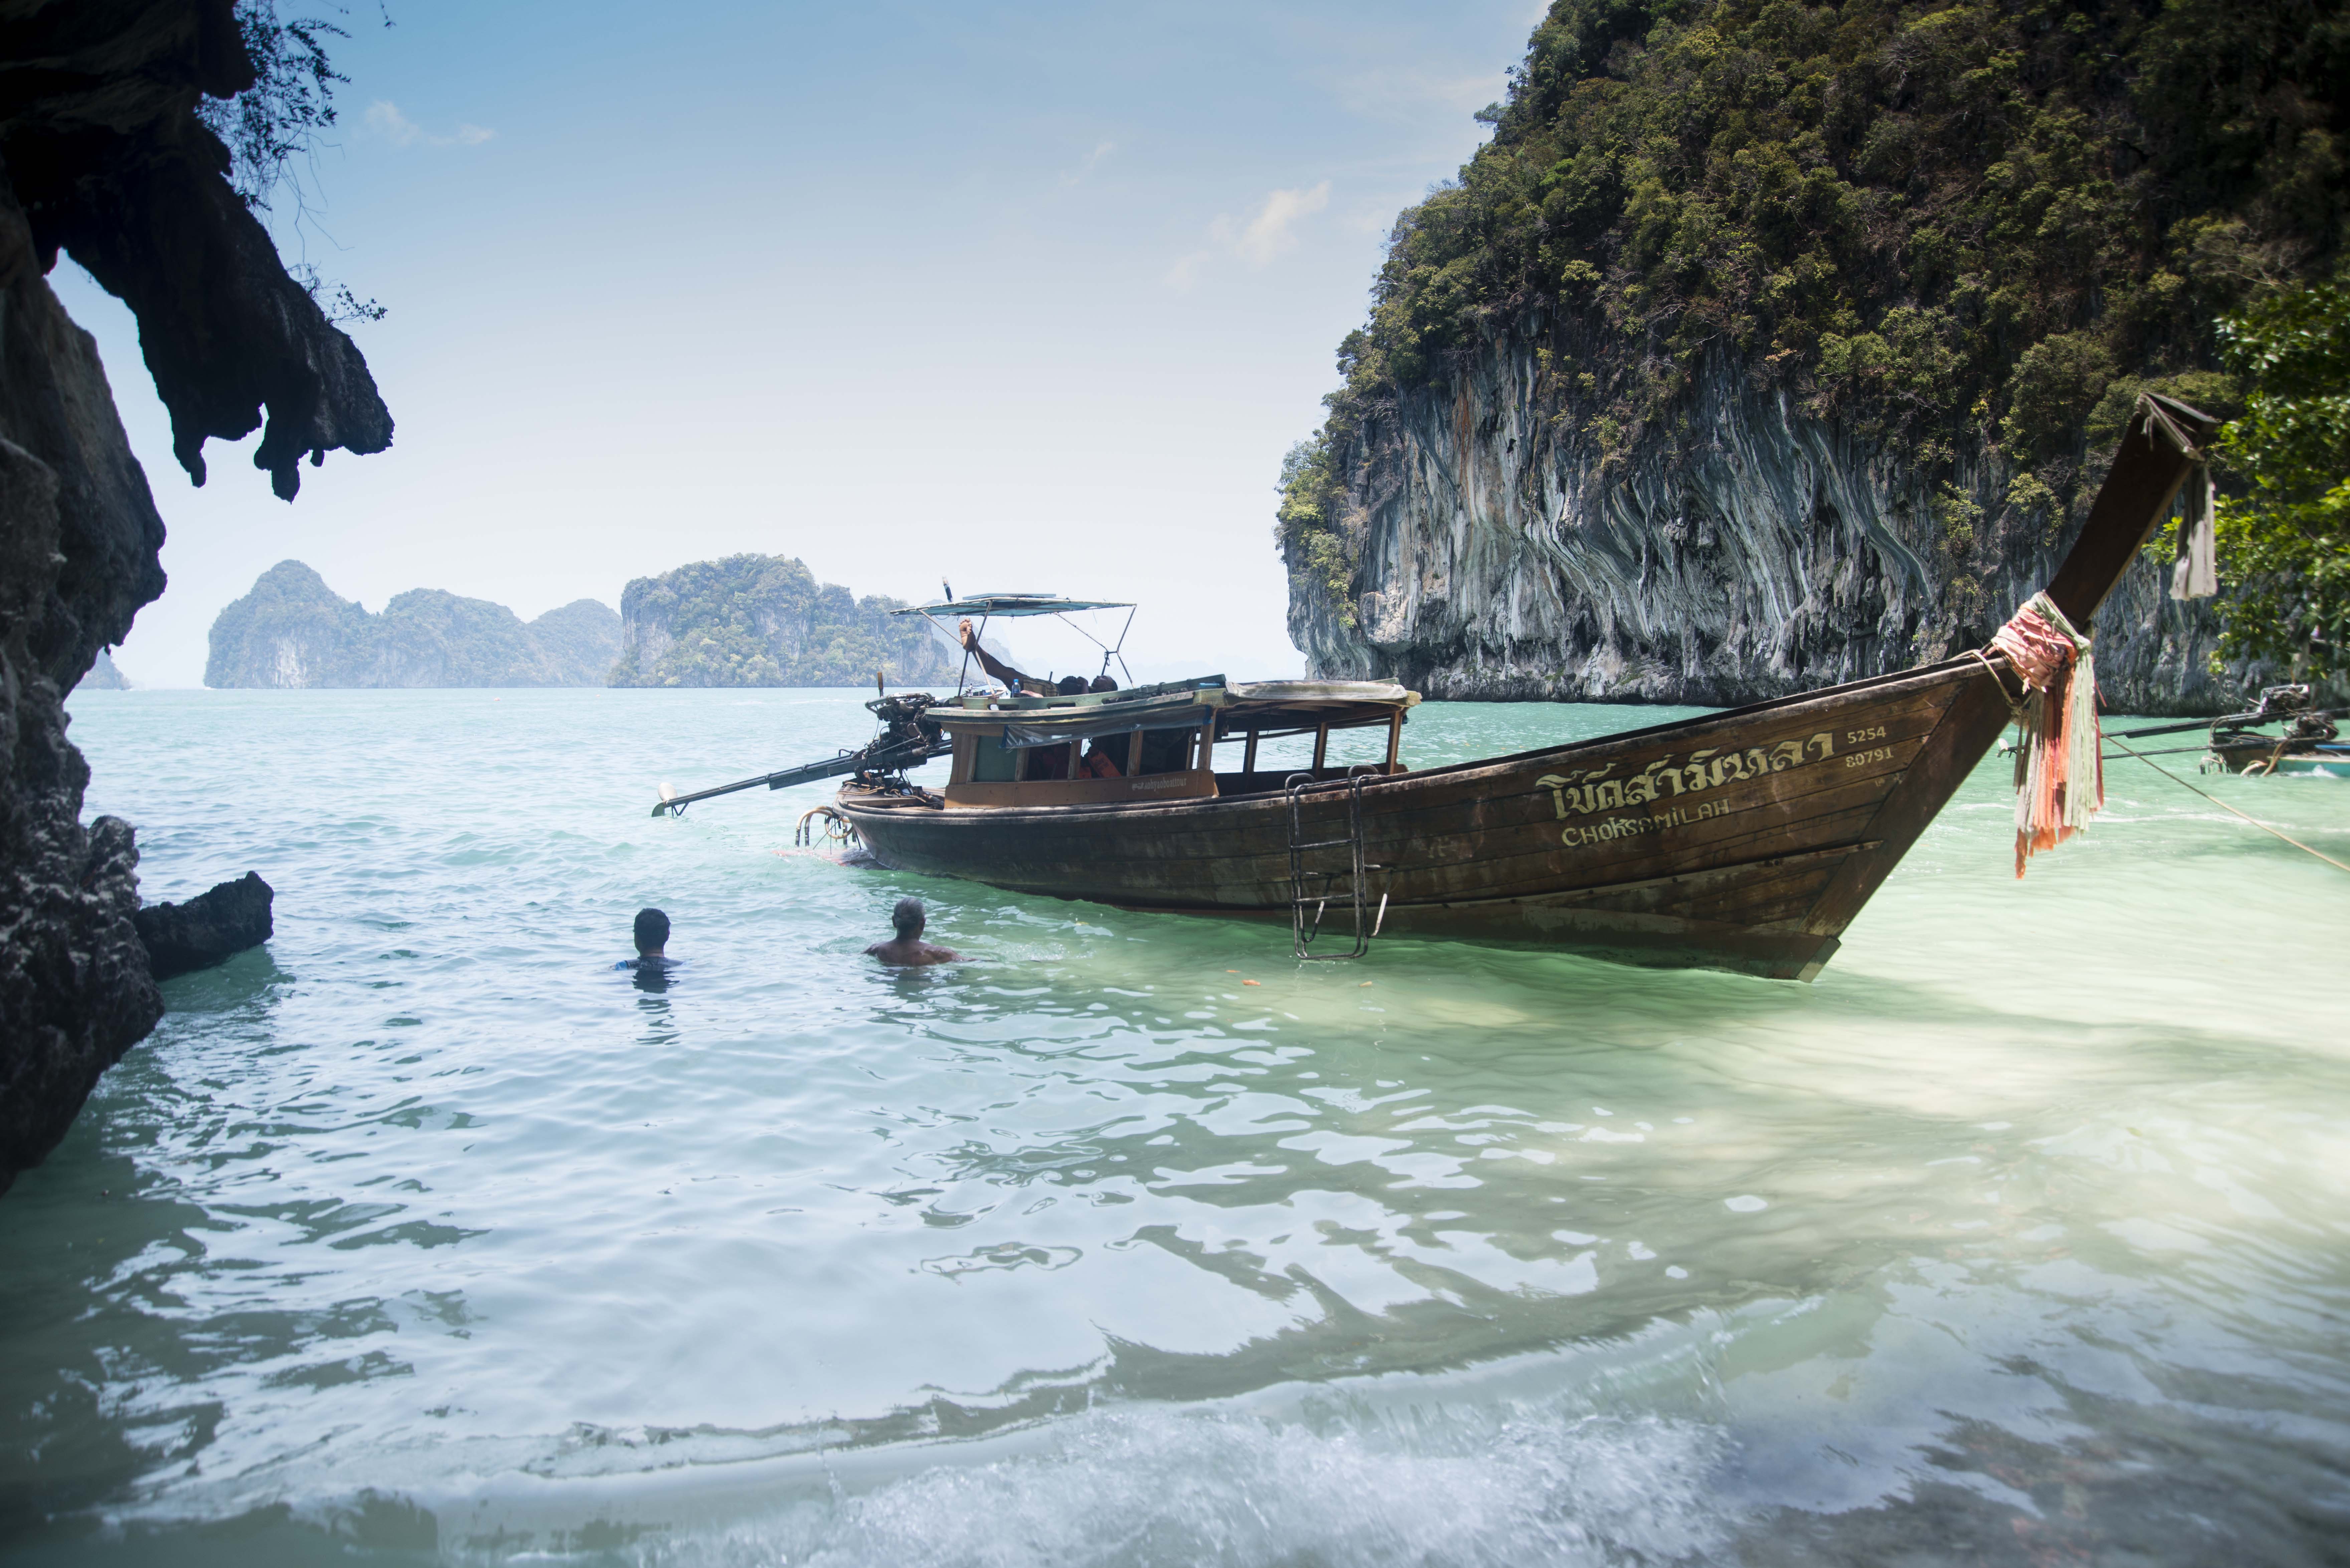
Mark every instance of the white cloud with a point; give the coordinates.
(1269, 233)
(1091, 161)
(384, 117)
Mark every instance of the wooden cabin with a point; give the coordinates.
(1159, 743)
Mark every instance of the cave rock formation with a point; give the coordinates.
(102, 156)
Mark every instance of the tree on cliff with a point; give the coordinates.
(277, 120)
(2285, 543)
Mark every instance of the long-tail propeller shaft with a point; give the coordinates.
(909, 738)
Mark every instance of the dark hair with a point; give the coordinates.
(1103, 683)
(652, 930)
(908, 916)
(1071, 685)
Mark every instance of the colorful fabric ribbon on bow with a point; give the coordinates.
(2060, 773)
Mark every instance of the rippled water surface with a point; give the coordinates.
(423, 1236)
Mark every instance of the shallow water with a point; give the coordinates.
(423, 1236)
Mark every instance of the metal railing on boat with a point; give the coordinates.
(1356, 872)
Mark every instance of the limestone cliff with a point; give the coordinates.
(1757, 550)
(292, 631)
(103, 676)
(1769, 343)
(764, 620)
(101, 155)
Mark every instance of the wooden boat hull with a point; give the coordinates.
(1744, 840)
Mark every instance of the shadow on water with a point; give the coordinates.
(249, 982)
(65, 1445)
(372, 1529)
(90, 1415)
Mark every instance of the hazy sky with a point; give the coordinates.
(1033, 298)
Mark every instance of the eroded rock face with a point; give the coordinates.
(102, 154)
(1754, 553)
(78, 535)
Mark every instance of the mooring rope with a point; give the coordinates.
(2215, 800)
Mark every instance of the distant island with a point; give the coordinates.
(103, 676)
(292, 630)
(764, 620)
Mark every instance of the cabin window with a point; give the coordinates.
(1166, 751)
(992, 761)
(1049, 762)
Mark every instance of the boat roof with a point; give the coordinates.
(1290, 691)
(1274, 706)
(1008, 605)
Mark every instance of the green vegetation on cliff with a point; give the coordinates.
(2285, 543)
(764, 620)
(1942, 224)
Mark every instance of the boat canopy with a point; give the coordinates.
(1104, 722)
(1008, 605)
(1268, 707)
(1272, 708)
(1286, 691)
(1047, 720)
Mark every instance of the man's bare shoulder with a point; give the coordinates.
(910, 955)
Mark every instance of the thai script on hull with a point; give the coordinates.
(1591, 790)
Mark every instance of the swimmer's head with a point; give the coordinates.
(908, 918)
(652, 930)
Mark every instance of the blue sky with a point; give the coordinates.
(1031, 298)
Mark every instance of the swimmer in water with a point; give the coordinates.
(653, 936)
(909, 949)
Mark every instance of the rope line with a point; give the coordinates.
(2215, 800)
(2014, 708)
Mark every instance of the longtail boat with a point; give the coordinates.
(1744, 840)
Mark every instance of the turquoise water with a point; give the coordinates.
(2022, 1236)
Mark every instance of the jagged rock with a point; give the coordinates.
(764, 620)
(292, 630)
(101, 153)
(1753, 552)
(209, 928)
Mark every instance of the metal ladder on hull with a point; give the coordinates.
(1302, 930)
